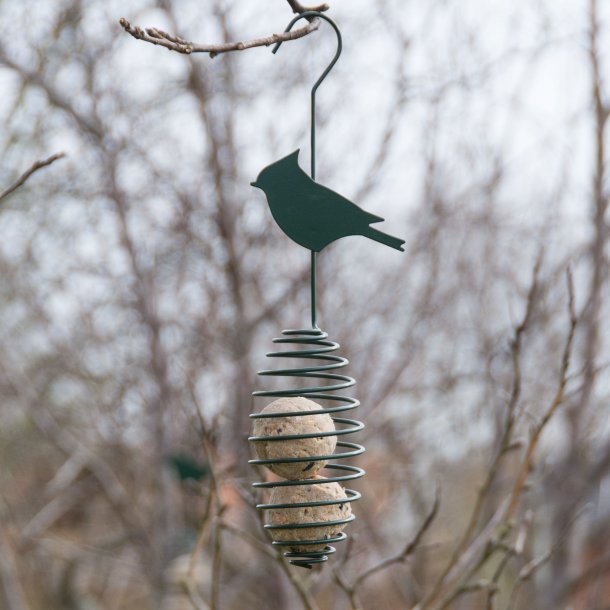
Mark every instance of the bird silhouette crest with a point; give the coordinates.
(313, 215)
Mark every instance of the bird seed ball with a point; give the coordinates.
(305, 447)
(307, 514)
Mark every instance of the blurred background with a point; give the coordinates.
(142, 281)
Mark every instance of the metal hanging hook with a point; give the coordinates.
(318, 363)
(314, 90)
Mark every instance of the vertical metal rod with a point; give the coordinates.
(313, 177)
(314, 323)
(308, 15)
(313, 133)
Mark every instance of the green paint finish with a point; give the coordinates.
(186, 468)
(311, 214)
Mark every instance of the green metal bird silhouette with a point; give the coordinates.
(311, 214)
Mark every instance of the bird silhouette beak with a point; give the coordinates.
(254, 184)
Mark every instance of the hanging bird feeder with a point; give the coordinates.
(300, 434)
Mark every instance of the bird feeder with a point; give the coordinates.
(300, 435)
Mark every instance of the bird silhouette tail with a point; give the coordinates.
(384, 238)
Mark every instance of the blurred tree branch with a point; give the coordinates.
(26, 175)
(12, 586)
(352, 590)
(506, 444)
(528, 462)
(474, 550)
(580, 476)
(528, 571)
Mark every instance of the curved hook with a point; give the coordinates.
(314, 89)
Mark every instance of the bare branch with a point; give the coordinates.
(298, 584)
(180, 45)
(297, 7)
(528, 462)
(509, 508)
(505, 446)
(25, 176)
(54, 510)
(9, 578)
(213, 495)
(528, 570)
(352, 590)
(408, 550)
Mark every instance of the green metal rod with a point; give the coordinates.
(306, 15)
(314, 323)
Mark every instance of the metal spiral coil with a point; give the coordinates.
(313, 344)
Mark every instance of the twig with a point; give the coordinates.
(277, 555)
(349, 590)
(69, 444)
(180, 45)
(53, 511)
(213, 491)
(528, 461)
(530, 568)
(213, 498)
(352, 590)
(297, 7)
(475, 587)
(190, 584)
(491, 548)
(297, 583)
(526, 572)
(473, 558)
(9, 577)
(194, 597)
(216, 563)
(494, 586)
(242, 534)
(34, 168)
(506, 445)
(409, 548)
(512, 503)
(466, 587)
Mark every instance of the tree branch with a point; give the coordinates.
(409, 548)
(352, 590)
(297, 7)
(505, 514)
(34, 168)
(180, 45)
(468, 539)
(528, 462)
(9, 576)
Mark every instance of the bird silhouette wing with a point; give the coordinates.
(344, 206)
(327, 197)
